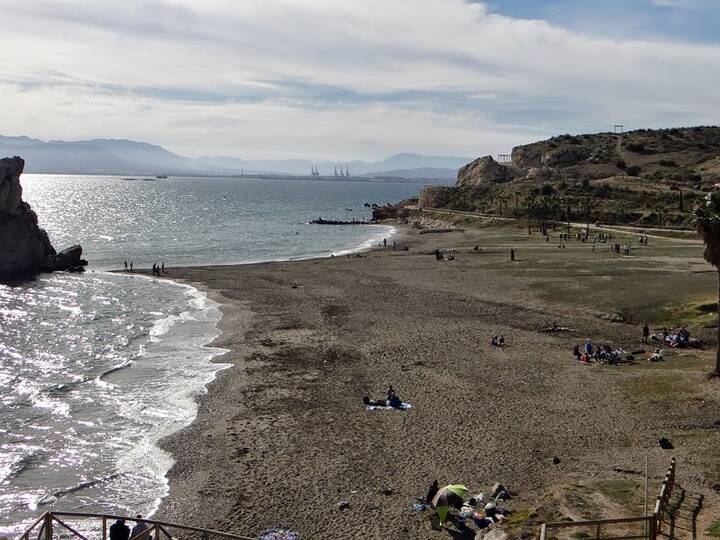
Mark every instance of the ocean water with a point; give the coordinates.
(96, 368)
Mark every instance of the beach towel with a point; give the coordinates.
(404, 406)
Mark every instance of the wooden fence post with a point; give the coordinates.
(48, 526)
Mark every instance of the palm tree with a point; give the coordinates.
(707, 222)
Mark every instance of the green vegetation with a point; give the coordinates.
(714, 530)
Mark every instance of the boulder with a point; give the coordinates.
(483, 171)
(565, 157)
(25, 248)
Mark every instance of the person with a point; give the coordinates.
(119, 531)
(432, 491)
(126, 266)
(588, 348)
(163, 268)
(131, 266)
(140, 531)
(438, 255)
(512, 254)
(576, 352)
(384, 242)
(645, 333)
(390, 392)
(501, 341)
(657, 356)
(494, 341)
(154, 270)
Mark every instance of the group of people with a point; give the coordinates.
(120, 531)
(604, 354)
(157, 270)
(680, 339)
(497, 340)
(482, 510)
(130, 269)
(391, 399)
(447, 257)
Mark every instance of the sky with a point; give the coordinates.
(361, 79)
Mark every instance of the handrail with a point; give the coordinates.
(654, 520)
(48, 517)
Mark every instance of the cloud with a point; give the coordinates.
(333, 79)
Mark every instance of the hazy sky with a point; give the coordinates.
(342, 79)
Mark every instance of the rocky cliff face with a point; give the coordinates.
(483, 171)
(24, 247)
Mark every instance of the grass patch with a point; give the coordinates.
(658, 385)
(699, 313)
(714, 530)
(623, 492)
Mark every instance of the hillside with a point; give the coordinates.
(648, 177)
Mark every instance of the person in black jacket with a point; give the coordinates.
(119, 531)
(432, 491)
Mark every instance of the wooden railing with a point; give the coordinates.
(652, 524)
(46, 529)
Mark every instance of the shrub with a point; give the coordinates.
(620, 164)
(546, 189)
(634, 170)
(668, 163)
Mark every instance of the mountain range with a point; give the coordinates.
(126, 157)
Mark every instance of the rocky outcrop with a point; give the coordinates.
(25, 248)
(483, 171)
(435, 197)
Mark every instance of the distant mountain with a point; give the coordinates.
(126, 157)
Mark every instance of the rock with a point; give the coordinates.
(25, 248)
(435, 197)
(716, 487)
(556, 460)
(483, 171)
(342, 505)
(492, 534)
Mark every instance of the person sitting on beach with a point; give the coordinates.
(576, 352)
(374, 402)
(140, 531)
(657, 356)
(494, 341)
(501, 341)
(588, 348)
(389, 392)
(432, 491)
(119, 531)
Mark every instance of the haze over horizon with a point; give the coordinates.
(331, 80)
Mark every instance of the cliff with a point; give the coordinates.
(25, 247)
(648, 176)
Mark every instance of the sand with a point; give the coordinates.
(282, 436)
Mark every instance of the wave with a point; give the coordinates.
(126, 364)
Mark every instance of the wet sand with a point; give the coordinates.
(282, 436)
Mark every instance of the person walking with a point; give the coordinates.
(646, 333)
(126, 266)
(131, 266)
(163, 268)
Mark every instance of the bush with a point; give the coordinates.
(668, 163)
(562, 186)
(633, 171)
(546, 190)
(620, 164)
(638, 148)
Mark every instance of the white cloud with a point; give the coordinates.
(331, 78)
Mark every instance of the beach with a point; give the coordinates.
(282, 436)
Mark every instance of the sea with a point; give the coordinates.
(96, 368)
